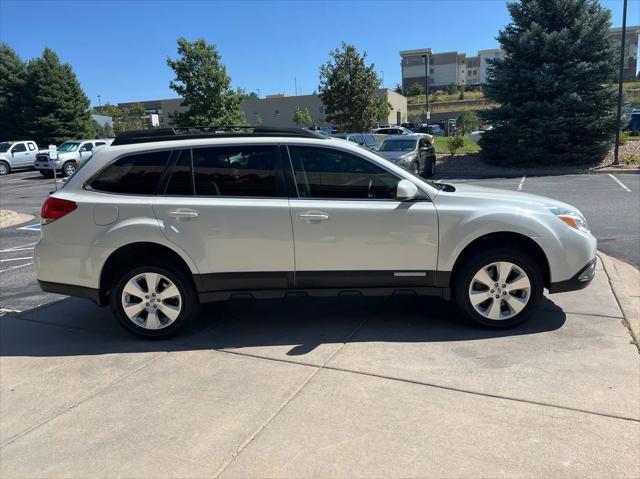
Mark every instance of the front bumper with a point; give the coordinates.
(45, 165)
(578, 281)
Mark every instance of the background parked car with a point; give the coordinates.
(434, 130)
(367, 140)
(17, 155)
(413, 152)
(392, 130)
(71, 154)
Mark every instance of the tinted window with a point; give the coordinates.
(135, 174)
(181, 181)
(31, 146)
(327, 173)
(87, 147)
(19, 148)
(235, 171)
(100, 143)
(370, 140)
(357, 139)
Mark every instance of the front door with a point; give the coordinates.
(226, 206)
(20, 155)
(350, 231)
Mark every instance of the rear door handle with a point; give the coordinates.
(312, 216)
(182, 213)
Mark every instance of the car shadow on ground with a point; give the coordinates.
(72, 327)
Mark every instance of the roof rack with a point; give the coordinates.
(221, 131)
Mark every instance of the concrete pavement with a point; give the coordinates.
(345, 387)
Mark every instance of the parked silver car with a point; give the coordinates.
(17, 155)
(367, 140)
(413, 152)
(162, 221)
(71, 154)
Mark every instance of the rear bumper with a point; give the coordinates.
(71, 290)
(578, 281)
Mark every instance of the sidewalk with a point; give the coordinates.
(345, 387)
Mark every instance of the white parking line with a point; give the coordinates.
(522, 183)
(624, 187)
(19, 247)
(15, 259)
(16, 267)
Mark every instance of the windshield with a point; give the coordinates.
(398, 145)
(4, 146)
(69, 146)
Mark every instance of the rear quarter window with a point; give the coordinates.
(137, 174)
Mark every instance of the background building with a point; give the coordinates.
(277, 110)
(158, 112)
(273, 110)
(456, 68)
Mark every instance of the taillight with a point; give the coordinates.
(54, 208)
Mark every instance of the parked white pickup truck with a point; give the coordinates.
(71, 154)
(17, 155)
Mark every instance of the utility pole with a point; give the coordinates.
(426, 88)
(619, 117)
(295, 81)
(99, 103)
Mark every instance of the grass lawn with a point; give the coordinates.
(440, 142)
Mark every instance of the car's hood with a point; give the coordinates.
(497, 196)
(394, 155)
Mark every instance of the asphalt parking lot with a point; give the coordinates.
(343, 387)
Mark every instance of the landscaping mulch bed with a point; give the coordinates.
(475, 165)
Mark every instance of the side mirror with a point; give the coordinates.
(406, 190)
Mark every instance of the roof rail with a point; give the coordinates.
(221, 131)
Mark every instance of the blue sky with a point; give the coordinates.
(118, 48)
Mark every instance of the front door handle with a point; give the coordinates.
(182, 213)
(312, 216)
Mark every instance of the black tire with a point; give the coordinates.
(190, 304)
(429, 172)
(415, 168)
(5, 168)
(46, 173)
(67, 165)
(466, 272)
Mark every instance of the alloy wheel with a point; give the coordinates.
(151, 301)
(3, 169)
(70, 169)
(499, 290)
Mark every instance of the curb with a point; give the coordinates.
(13, 219)
(624, 280)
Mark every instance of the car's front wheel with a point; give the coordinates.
(5, 169)
(154, 301)
(498, 288)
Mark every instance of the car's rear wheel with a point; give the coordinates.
(432, 168)
(5, 169)
(154, 301)
(498, 288)
(415, 168)
(69, 168)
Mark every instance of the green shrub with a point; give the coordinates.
(454, 143)
(631, 159)
(624, 137)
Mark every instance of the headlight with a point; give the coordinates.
(571, 217)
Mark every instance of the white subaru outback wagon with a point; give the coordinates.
(167, 219)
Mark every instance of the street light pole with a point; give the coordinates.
(99, 103)
(426, 88)
(619, 117)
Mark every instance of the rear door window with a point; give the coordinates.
(181, 180)
(31, 146)
(236, 171)
(134, 174)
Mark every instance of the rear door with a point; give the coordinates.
(350, 231)
(228, 208)
(32, 148)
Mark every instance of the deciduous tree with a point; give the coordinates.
(202, 81)
(348, 88)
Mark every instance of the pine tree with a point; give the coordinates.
(555, 105)
(13, 74)
(202, 81)
(56, 108)
(348, 90)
